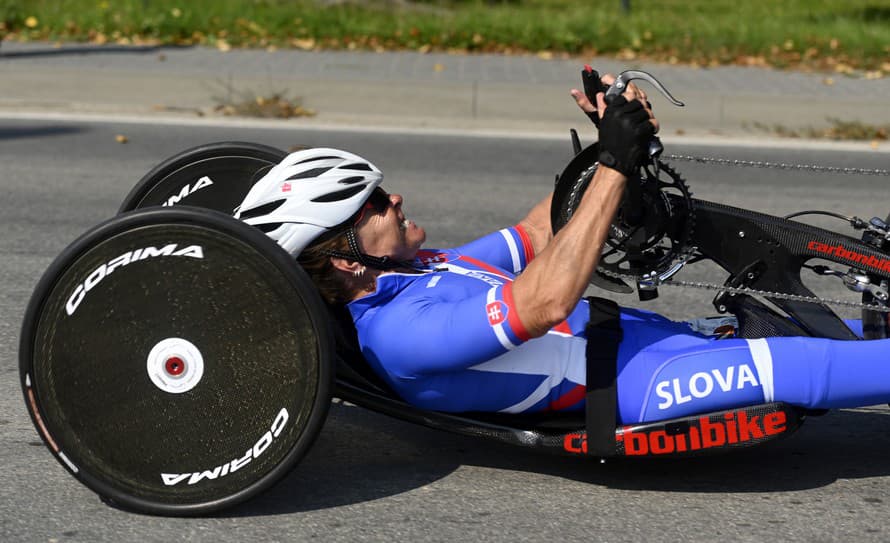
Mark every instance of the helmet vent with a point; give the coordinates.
(315, 172)
(261, 210)
(351, 180)
(313, 159)
(340, 194)
(358, 167)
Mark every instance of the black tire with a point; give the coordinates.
(231, 167)
(143, 428)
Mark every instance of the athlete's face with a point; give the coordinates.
(383, 229)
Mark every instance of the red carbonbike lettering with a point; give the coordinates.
(732, 428)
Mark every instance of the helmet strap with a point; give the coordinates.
(355, 255)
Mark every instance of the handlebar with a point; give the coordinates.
(594, 85)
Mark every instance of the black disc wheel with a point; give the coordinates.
(214, 176)
(176, 361)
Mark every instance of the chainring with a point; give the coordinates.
(641, 246)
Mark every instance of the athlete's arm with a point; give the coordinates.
(537, 222)
(552, 284)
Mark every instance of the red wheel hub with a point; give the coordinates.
(174, 365)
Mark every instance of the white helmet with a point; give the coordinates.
(307, 194)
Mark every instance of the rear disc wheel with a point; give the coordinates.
(176, 361)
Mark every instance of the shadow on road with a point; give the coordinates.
(79, 50)
(19, 132)
(362, 456)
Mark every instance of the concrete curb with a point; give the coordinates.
(548, 132)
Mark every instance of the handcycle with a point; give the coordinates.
(221, 358)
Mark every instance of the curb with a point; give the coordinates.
(547, 133)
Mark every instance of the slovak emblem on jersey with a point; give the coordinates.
(430, 257)
(497, 312)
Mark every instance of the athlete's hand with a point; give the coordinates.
(626, 129)
(596, 110)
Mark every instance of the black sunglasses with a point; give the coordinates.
(378, 202)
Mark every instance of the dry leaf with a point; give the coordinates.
(305, 45)
(120, 138)
(437, 67)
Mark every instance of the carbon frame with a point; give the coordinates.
(767, 253)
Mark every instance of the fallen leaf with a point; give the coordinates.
(828, 81)
(437, 67)
(120, 138)
(223, 46)
(305, 44)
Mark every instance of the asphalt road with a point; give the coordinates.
(372, 478)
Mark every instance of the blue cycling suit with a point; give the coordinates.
(448, 338)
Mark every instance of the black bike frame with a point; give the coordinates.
(767, 253)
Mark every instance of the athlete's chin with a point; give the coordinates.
(419, 234)
(414, 238)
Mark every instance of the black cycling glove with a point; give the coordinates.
(625, 132)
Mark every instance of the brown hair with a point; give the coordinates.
(330, 283)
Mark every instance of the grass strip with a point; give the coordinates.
(837, 35)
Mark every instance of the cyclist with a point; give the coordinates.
(499, 324)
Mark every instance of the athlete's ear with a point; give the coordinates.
(349, 266)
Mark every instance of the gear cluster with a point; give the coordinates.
(653, 228)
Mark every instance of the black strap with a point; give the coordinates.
(603, 338)
(379, 262)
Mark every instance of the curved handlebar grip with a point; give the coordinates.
(625, 77)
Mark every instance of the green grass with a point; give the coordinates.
(837, 35)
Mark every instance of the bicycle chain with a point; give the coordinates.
(776, 295)
(777, 165)
(754, 292)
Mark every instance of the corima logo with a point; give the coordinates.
(702, 384)
(103, 271)
(262, 444)
(188, 190)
